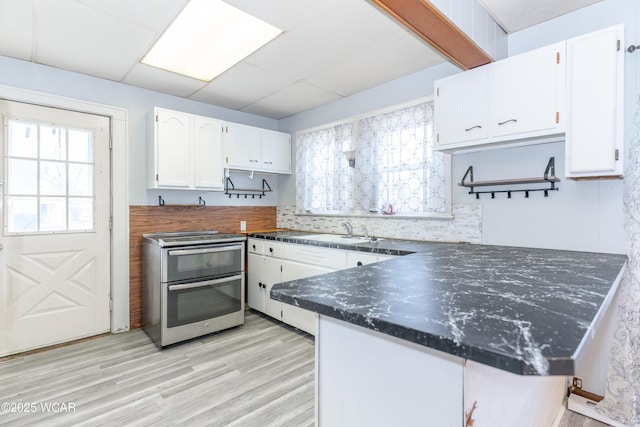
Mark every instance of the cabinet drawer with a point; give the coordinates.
(313, 255)
(255, 246)
(358, 259)
(272, 249)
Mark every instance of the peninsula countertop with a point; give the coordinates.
(522, 310)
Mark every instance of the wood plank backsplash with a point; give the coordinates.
(159, 219)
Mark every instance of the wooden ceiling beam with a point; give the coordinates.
(428, 23)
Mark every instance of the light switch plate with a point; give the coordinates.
(243, 225)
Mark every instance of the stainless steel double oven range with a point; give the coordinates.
(193, 284)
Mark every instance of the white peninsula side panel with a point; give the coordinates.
(365, 378)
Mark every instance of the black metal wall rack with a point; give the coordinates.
(548, 178)
(231, 190)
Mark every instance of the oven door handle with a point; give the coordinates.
(225, 248)
(205, 283)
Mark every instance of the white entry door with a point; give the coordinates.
(55, 241)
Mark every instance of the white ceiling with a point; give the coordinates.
(330, 48)
(516, 15)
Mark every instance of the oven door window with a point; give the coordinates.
(202, 262)
(195, 302)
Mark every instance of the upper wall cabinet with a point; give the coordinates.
(518, 98)
(184, 151)
(527, 94)
(595, 77)
(255, 149)
(462, 116)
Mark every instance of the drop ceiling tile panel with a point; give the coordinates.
(153, 14)
(16, 28)
(242, 85)
(82, 39)
(291, 100)
(163, 81)
(329, 37)
(387, 61)
(284, 14)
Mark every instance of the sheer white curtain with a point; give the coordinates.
(324, 180)
(622, 397)
(396, 162)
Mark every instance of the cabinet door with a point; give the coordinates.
(208, 153)
(527, 93)
(461, 108)
(173, 149)
(271, 276)
(296, 316)
(594, 140)
(276, 151)
(256, 289)
(242, 147)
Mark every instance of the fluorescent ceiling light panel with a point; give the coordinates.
(207, 38)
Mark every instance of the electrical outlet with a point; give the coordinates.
(243, 225)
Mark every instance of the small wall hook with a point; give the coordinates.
(633, 48)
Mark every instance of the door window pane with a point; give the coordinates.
(80, 146)
(22, 176)
(22, 213)
(53, 178)
(80, 214)
(53, 143)
(80, 180)
(49, 178)
(23, 139)
(53, 213)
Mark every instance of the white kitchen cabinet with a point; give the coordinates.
(296, 316)
(255, 149)
(184, 151)
(517, 99)
(276, 151)
(264, 270)
(595, 82)
(358, 259)
(256, 289)
(527, 94)
(461, 113)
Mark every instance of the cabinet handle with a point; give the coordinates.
(253, 161)
(271, 250)
(268, 163)
(473, 127)
(507, 121)
(359, 264)
(254, 247)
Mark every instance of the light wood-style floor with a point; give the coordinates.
(261, 374)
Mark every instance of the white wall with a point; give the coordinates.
(138, 102)
(584, 216)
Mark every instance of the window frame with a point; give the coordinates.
(354, 119)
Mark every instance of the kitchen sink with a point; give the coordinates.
(334, 238)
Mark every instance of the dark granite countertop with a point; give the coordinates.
(521, 310)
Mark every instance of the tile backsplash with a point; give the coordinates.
(464, 227)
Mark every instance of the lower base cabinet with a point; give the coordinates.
(275, 262)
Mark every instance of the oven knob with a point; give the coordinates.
(271, 250)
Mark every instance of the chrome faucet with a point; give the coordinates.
(347, 225)
(365, 232)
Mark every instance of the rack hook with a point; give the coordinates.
(508, 194)
(201, 201)
(526, 194)
(160, 201)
